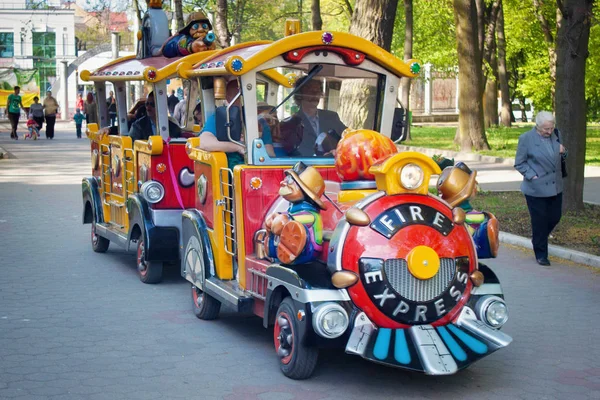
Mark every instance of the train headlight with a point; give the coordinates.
(411, 176)
(152, 191)
(492, 310)
(330, 320)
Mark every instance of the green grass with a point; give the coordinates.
(503, 141)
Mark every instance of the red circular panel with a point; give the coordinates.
(366, 242)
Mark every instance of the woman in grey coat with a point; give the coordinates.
(538, 159)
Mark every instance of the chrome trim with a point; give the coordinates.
(145, 186)
(433, 353)
(111, 234)
(222, 294)
(468, 320)
(361, 335)
(487, 288)
(310, 295)
(341, 231)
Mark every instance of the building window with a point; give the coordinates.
(7, 44)
(44, 45)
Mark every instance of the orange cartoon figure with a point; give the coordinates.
(296, 237)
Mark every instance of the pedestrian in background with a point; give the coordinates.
(538, 159)
(13, 110)
(91, 112)
(172, 101)
(111, 104)
(50, 110)
(78, 118)
(79, 102)
(37, 110)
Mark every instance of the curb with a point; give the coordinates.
(459, 154)
(553, 250)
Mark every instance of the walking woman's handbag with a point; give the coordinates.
(563, 157)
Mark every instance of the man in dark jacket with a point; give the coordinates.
(172, 101)
(145, 127)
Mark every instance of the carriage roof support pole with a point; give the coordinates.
(160, 100)
(101, 103)
(121, 96)
(64, 75)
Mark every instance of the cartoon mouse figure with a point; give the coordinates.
(196, 36)
(457, 185)
(296, 237)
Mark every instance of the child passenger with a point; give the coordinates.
(78, 118)
(33, 128)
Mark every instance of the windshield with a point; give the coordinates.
(325, 100)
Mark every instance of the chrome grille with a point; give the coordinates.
(411, 288)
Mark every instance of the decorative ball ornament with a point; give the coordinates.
(150, 73)
(358, 150)
(327, 37)
(237, 65)
(292, 78)
(415, 67)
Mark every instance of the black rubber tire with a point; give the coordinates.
(99, 244)
(204, 305)
(149, 271)
(301, 359)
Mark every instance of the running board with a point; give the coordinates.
(228, 292)
(103, 230)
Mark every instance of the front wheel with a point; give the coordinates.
(205, 306)
(149, 271)
(99, 243)
(296, 359)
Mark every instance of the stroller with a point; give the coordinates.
(33, 127)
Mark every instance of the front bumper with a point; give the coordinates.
(441, 350)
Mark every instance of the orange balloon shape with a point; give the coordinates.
(358, 150)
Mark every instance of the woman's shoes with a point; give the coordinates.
(543, 261)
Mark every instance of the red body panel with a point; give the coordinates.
(366, 242)
(172, 168)
(207, 208)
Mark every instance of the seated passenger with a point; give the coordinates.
(198, 114)
(145, 127)
(268, 128)
(314, 120)
(213, 139)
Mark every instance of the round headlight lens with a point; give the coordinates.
(330, 320)
(411, 176)
(496, 314)
(152, 191)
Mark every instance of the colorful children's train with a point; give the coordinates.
(343, 245)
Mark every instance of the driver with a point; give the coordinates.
(314, 120)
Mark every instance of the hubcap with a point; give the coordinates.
(94, 236)
(140, 258)
(284, 338)
(197, 295)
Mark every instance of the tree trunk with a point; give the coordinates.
(408, 54)
(315, 9)
(572, 41)
(471, 133)
(372, 20)
(490, 96)
(221, 27)
(505, 114)
(178, 15)
(138, 14)
(523, 108)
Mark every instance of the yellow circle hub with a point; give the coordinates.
(423, 262)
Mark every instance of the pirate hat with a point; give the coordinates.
(197, 16)
(310, 181)
(456, 183)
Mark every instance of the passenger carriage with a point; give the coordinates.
(395, 277)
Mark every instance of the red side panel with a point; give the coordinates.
(207, 208)
(172, 168)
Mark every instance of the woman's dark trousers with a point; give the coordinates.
(545, 214)
(50, 121)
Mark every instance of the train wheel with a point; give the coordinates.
(204, 306)
(296, 360)
(99, 243)
(149, 271)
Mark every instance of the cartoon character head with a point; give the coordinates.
(197, 25)
(457, 184)
(303, 183)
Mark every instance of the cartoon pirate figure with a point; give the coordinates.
(196, 36)
(457, 185)
(296, 237)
